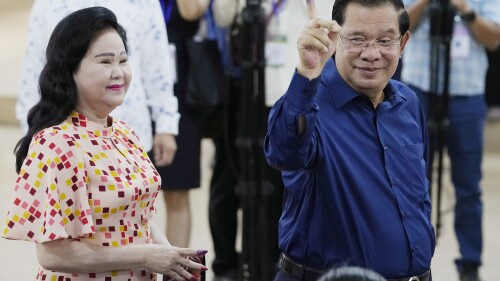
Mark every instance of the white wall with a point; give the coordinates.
(13, 30)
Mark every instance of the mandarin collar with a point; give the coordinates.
(97, 130)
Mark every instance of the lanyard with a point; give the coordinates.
(275, 10)
(211, 25)
(167, 10)
(276, 6)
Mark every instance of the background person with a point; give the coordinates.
(182, 23)
(351, 273)
(86, 188)
(492, 92)
(476, 28)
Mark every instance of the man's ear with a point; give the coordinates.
(404, 40)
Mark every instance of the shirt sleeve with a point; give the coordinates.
(158, 70)
(491, 10)
(50, 199)
(407, 3)
(34, 60)
(284, 147)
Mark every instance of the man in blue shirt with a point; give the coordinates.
(352, 146)
(476, 27)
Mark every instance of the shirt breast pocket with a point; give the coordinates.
(416, 167)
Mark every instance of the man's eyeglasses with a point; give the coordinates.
(358, 44)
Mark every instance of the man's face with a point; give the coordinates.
(369, 48)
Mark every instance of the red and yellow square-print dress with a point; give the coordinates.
(81, 181)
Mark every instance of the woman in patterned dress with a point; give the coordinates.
(86, 188)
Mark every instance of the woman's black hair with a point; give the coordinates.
(351, 273)
(339, 7)
(67, 46)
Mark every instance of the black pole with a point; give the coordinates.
(441, 16)
(254, 186)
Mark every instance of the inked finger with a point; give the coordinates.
(185, 252)
(311, 9)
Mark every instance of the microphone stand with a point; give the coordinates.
(254, 188)
(441, 16)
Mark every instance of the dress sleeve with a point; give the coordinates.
(50, 199)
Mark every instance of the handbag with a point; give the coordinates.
(205, 77)
(205, 93)
(205, 89)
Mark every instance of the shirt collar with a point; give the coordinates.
(341, 93)
(97, 130)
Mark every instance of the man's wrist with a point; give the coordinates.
(308, 73)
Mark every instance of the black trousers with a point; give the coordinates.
(492, 81)
(224, 201)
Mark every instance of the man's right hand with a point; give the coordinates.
(316, 43)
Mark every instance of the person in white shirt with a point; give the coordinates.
(150, 96)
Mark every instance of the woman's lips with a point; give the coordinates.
(115, 87)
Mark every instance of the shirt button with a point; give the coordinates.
(144, 221)
(393, 181)
(385, 147)
(136, 169)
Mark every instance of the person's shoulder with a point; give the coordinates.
(399, 85)
(61, 136)
(56, 131)
(124, 129)
(121, 125)
(54, 7)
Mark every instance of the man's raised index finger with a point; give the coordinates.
(311, 9)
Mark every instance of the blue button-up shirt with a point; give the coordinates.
(356, 190)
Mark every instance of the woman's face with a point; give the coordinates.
(103, 76)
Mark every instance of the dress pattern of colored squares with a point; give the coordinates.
(89, 183)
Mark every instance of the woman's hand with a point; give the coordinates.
(80, 256)
(178, 263)
(164, 148)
